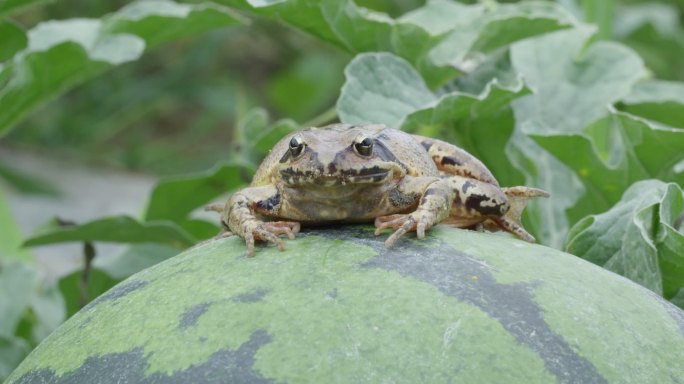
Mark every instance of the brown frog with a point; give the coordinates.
(369, 173)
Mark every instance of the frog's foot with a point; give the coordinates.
(510, 222)
(417, 221)
(253, 230)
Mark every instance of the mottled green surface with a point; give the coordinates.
(338, 307)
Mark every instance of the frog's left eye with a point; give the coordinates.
(364, 146)
(296, 146)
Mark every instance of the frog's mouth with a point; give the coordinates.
(372, 175)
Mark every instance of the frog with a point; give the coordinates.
(369, 173)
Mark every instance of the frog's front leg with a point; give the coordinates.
(240, 217)
(433, 207)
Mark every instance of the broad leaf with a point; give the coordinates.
(12, 351)
(657, 100)
(412, 36)
(29, 299)
(62, 54)
(573, 84)
(8, 7)
(10, 236)
(615, 152)
(635, 238)
(12, 39)
(117, 229)
(174, 198)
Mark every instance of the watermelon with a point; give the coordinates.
(338, 307)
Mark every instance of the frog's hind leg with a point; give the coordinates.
(454, 161)
(517, 199)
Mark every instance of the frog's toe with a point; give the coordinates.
(389, 221)
(288, 228)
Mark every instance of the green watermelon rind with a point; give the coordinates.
(336, 306)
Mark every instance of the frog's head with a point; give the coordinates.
(338, 154)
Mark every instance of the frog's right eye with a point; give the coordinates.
(296, 146)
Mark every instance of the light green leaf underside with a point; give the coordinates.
(118, 229)
(635, 238)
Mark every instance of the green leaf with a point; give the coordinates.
(12, 39)
(497, 27)
(62, 54)
(12, 351)
(657, 100)
(10, 236)
(615, 152)
(635, 238)
(412, 37)
(8, 7)
(17, 282)
(117, 229)
(174, 198)
(27, 184)
(381, 88)
(157, 21)
(70, 287)
(134, 259)
(573, 84)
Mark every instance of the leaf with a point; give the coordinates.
(382, 88)
(117, 229)
(10, 236)
(70, 287)
(12, 39)
(497, 27)
(615, 152)
(635, 238)
(8, 7)
(62, 54)
(12, 351)
(412, 36)
(27, 184)
(572, 85)
(654, 30)
(657, 100)
(157, 21)
(17, 282)
(174, 198)
(134, 259)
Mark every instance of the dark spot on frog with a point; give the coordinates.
(332, 168)
(448, 160)
(331, 294)
(269, 204)
(467, 185)
(474, 202)
(398, 199)
(426, 145)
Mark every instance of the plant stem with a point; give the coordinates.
(323, 118)
(600, 12)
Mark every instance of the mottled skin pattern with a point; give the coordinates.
(366, 173)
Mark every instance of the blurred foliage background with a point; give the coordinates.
(174, 110)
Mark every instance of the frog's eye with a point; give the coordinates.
(296, 146)
(364, 146)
